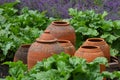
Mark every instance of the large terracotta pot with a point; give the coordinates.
(62, 30)
(90, 53)
(21, 53)
(101, 43)
(68, 47)
(44, 47)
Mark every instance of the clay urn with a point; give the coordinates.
(101, 43)
(44, 46)
(90, 53)
(68, 47)
(62, 30)
(21, 53)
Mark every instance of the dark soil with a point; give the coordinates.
(3, 70)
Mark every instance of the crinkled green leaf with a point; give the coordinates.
(82, 29)
(104, 14)
(100, 60)
(92, 32)
(113, 52)
(87, 31)
(117, 74)
(48, 75)
(108, 75)
(117, 24)
(1, 10)
(7, 47)
(109, 37)
(107, 25)
(17, 69)
(2, 19)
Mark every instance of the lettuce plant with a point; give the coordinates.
(18, 27)
(61, 67)
(89, 24)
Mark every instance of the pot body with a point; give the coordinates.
(101, 43)
(63, 31)
(42, 50)
(90, 53)
(68, 47)
(21, 53)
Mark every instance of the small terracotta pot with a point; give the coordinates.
(44, 47)
(68, 47)
(21, 53)
(101, 43)
(90, 53)
(62, 30)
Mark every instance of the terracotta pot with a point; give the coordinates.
(101, 43)
(62, 30)
(68, 47)
(44, 47)
(21, 53)
(90, 53)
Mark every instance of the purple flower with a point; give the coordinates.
(59, 8)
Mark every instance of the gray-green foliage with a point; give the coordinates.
(89, 24)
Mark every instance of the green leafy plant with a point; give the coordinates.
(89, 24)
(112, 75)
(61, 67)
(17, 70)
(18, 27)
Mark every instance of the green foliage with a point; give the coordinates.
(113, 75)
(18, 27)
(61, 67)
(89, 24)
(16, 71)
(64, 67)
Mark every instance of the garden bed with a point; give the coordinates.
(114, 65)
(24, 26)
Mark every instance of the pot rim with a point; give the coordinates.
(25, 45)
(90, 48)
(46, 41)
(95, 39)
(60, 23)
(63, 41)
